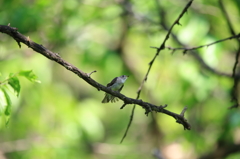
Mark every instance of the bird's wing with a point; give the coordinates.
(121, 88)
(112, 82)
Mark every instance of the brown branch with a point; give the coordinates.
(202, 62)
(194, 53)
(89, 74)
(234, 91)
(201, 46)
(162, 47)
(55, 57)
(127, 10)
(222, 8)
(129, 123)
(235, 79)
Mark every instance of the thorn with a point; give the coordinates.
(19, 44)
(183, 111)
(177, 22)
(89, 74)
(153, 47)
(123, 105)
(150, 63)
(162, 47)
(162, 107)
(146, 112)
(145, 79)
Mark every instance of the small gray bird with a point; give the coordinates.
(116, 85)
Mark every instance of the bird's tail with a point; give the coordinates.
(106, 99)
(109, 98)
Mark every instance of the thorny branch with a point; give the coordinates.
(194, 53)
(201, 46)
(162, 47)
(234, 75)
(234, 71)
(129, 123)
(11, 31)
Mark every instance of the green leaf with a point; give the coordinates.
(14, 83)
(2, 101)
(8, 102)
(29, 75)
(7, 120)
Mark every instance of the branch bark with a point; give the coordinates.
(13, 32)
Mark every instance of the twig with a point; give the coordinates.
(230, 27)
(235, 78)
(201, 46)
(162, 47)
(234, 71)
(182, 117)
(55, 57)
(129, 123)
(124, 104)
(194, 53)
(89, 74)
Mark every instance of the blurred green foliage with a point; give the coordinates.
(12, 84)
(63, 117)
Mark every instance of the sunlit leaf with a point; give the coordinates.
(2, 101)
(7, 120)
(5, 106)
(14, 83)
(8, 108)
(8, 102)
(29, 75)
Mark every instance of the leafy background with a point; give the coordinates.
(63, 117)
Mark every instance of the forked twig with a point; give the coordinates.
(201, 46)
(162, 47)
